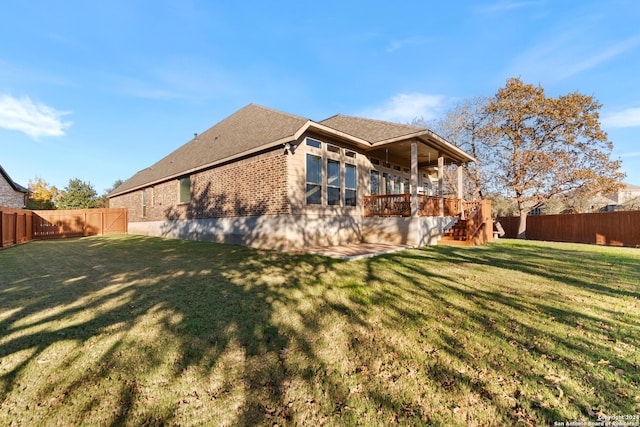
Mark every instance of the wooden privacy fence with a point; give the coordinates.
(601, 228)
(19, 225)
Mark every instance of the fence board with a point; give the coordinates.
(19, 225)
(15, 226)
(600, 228)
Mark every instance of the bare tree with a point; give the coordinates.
(464, 126)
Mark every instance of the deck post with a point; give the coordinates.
(441, 184)
(460, 192)
(415, 203)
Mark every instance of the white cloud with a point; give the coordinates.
(34, 119)
(622, 119)
(405, 107)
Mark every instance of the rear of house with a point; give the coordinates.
(268, 179)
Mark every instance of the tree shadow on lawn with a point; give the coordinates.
(137, 330)
(547, 338)
(121, 318)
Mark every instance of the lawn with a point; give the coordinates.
(131, 330)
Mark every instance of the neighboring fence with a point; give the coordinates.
(620, 228)
(19, 225)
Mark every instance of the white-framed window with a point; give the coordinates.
(350, 185)
(144, 202)
(375, 182)
(184, 192)
(313, 192)
(331, 175)
(389, 178)
(333, 182)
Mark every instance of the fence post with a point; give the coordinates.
(1, 227)
(15, 228)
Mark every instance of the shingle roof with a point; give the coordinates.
(17, 187)
(250, 128)
(254, 128)
(370, 130)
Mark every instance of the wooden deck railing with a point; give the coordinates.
(428, 205)
(452, 207)
(400, 205)
(387, 205)
(479, 222)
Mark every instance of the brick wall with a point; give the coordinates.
(9, 197)
(254, 186)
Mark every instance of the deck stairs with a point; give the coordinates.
(456, 235)
(472, 230)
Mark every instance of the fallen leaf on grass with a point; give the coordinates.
(554, 379)
(283, 353)
(603, 362)
(557, 387)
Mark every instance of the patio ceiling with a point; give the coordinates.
(399, 152)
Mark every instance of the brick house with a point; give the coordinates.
(269, 179)
(12, 195)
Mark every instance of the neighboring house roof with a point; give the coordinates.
(629, 188)
(255, 128)
(17, 187)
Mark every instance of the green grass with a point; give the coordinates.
(130, 330)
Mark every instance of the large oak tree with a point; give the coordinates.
(543, 146)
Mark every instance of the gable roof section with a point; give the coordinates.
(250, 129)
(17, 187)
(379, 133)
(374, 131)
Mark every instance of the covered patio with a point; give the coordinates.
(407, 178)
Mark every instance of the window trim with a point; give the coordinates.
(180, 190)
(331, 153)
(313, 183)
(144, 203)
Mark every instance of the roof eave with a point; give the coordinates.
(331, 131)
(265, 147)
(431, 138)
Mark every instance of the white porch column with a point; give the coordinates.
(415, 203)
(460, 192)
(441, 182)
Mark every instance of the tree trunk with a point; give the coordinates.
(522, 226)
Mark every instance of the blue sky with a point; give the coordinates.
(99, 90)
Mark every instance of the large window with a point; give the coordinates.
(314, 179)
(375, 182)
(185, 190)
(333, 182)
(331, 179)
(144, 202)
(350, 185)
